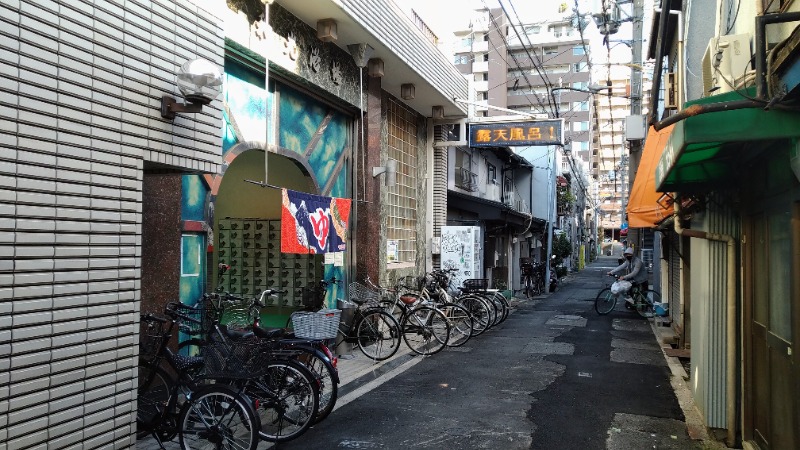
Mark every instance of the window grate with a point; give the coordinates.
(402, 198)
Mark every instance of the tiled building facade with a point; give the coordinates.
(80, 131)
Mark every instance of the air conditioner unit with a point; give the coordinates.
(447, 133)
(727, 58)
(671, 94)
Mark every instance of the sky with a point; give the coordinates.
(446, 16)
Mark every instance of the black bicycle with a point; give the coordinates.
(188, 405)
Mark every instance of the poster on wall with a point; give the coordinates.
(391, 250)
(461, 250)
(313, 223)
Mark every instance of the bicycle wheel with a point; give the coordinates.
(539, 285)
(460, 324)
(378, 334)
(326, 382)
(479, 311)
(605, 302)
(287, 399)
(499, 306)
(425, 330)
(501, 299)
(155, 388)
(217, 417)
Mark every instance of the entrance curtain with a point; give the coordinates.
(313, 223)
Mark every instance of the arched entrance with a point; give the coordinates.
(247, 226)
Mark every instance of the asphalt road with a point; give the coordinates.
(555, 375)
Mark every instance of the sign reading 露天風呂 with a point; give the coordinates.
(524, 133)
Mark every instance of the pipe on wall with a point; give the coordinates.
(730, 316)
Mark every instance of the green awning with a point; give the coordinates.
(704, 151)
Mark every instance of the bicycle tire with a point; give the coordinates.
(287, 399)
(499, 306)
(217, 414)
(605, 302)
(153, 394)
(460, 322)
(498, 297)
(374, 330)
(425, 330)
(479, 311)
(323, 372)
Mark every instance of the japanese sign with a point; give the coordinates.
(508, 134)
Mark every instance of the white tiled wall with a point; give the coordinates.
(80, 89)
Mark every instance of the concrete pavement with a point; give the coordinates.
(603, 381)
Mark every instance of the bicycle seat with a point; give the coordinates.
(183, 363)
(269, 333)
(235, 334)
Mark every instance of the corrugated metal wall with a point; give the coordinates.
(80, 89)
(708, 309)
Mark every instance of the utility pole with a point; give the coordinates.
(636, 104)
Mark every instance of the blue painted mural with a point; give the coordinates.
(313, 134)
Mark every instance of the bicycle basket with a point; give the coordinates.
(322, 324)
(199, 313)
(412, 283)
(151, 336)
(476, 284)
(313, 297)
(362, 294)
(236, 359)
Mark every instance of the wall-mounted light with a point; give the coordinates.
(408, 91)
(326, 30)
(200, 82)
(375, 67)
(390, 169)
(437, 112)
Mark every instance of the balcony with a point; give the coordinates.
(466, 179)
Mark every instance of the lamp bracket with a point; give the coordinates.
(170, 107)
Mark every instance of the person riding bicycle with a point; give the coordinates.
(634, 270)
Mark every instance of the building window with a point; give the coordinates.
(491, 171)
(578, 50)
(580, 85)
(461, 59)
(550, 51)
(580, 67)
(402, 200)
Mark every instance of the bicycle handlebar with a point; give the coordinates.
(148, 317)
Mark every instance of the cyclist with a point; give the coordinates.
(634, 270)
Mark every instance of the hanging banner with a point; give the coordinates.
(312, 223)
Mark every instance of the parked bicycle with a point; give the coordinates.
(532, 278)
(425, 328)
(187, 405)
(284, 391)
(373, 330)
(643, 301)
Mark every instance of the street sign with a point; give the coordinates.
(514, 134)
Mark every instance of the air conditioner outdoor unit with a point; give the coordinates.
(671, 94)
(727, 58)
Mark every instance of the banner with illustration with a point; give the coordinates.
(312, 223)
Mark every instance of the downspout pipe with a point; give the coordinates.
(730, 358)
(666, 5)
